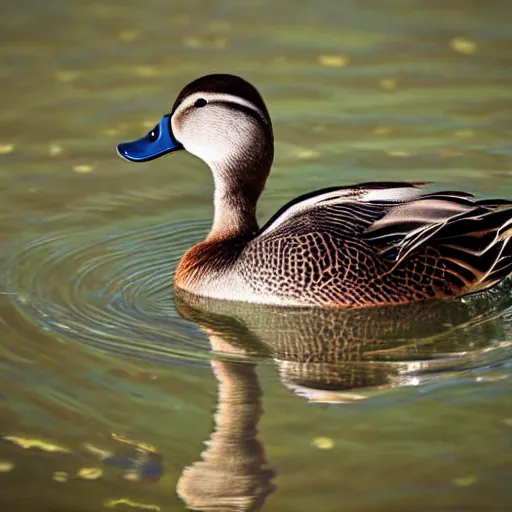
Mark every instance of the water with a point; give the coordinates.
(111, 385)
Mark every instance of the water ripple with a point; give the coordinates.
(112, 292)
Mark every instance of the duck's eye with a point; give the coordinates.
(153, 134)
(201, 102)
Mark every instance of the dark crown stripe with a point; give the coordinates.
(224, 84)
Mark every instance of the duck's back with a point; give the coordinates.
(377, 244)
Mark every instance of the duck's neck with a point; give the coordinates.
(236, 195)
(234, 214)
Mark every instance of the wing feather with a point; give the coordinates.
(386, 194)
(396, 219)
(471, 237)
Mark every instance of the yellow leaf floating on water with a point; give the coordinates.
(145, 70)
(6, 466)
(463, 45)
(398, 152)
(382, 130)
(130, 503)
(98, 452)
(323, 443)
(89, 473)
(5, 149)
(83, 168)
(388, 84)
(128, 36)
(36, 443)
(60, 476)
(68, 75)
(333, 61)
(54, 150)
(306, 154)
(465, 481)
(139, 444)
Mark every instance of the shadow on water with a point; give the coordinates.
(325, 356)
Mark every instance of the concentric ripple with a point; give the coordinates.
(113, 292)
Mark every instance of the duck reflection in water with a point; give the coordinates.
(233, 473)
(326, 356)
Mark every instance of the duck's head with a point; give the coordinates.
(219, 118)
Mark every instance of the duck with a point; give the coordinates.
(365, 245)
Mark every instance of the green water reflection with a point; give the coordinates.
(110, 387)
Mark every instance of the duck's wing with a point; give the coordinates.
(354, 207)
(472, 238)
(397, 219)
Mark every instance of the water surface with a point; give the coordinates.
(111, 385)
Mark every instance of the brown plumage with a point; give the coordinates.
(367, 245)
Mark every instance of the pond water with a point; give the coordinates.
(111, 385)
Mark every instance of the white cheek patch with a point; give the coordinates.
(214, 133)
(210, 152)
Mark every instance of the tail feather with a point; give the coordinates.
(472, 238)
(477, 248)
